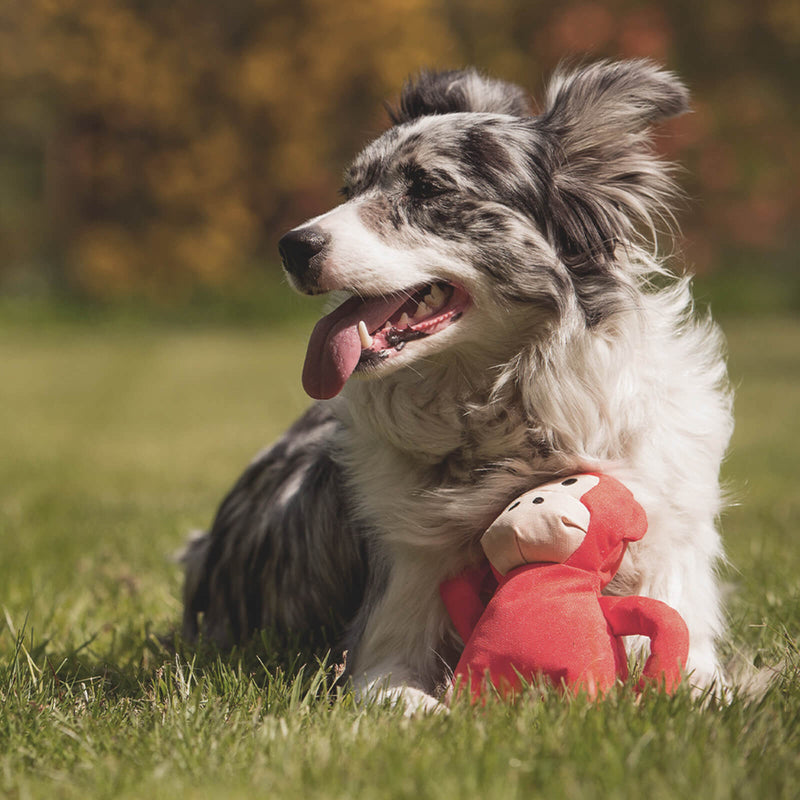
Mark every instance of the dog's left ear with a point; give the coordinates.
(605, 179)
(454, 91)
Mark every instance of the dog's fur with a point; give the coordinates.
(578, 350)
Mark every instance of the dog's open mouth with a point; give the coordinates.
(365, 332)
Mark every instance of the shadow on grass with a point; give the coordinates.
(277, 673)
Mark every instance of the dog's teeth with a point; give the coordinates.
(422, 311)
(404, 321)
(363, 334)
(430, 301)
(436, 298)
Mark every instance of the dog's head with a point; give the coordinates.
(473, 220)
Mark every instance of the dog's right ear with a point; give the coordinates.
(452, 91)
(605, 177)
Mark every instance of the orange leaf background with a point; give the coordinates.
(147, 148)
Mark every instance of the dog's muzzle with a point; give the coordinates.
(301, 252)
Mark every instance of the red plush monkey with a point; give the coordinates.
(552, 551)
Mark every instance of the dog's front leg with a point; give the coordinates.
(399, 656)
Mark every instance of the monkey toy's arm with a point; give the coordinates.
(669, 636)
(463, 597)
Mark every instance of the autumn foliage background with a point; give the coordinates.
(154, 149)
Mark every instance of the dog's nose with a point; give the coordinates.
(298, 247)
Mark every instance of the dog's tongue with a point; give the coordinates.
(334, 348)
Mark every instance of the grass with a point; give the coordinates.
(117, 439)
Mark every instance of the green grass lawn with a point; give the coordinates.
(117, 439)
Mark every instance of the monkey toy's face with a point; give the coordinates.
(547, 524)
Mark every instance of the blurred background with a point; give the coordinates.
(153, 152)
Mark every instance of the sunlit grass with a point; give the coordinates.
(117, 440)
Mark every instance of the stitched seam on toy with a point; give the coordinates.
(519, 548)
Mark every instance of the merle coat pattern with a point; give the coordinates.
(519, 325)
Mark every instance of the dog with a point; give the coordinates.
(504, 318)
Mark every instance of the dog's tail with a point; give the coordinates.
(195, 590)
(751, 683)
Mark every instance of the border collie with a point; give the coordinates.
(502, 318)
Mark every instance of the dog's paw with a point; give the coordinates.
(414, 702)
(417, 703)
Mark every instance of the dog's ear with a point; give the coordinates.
(452, 91)
(605, 179)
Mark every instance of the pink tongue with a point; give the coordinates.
(335, 348)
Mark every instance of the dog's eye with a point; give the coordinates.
(423, 185)
(423, 189)
(346, 192)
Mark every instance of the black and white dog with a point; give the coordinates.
(504, 318)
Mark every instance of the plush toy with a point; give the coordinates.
(551, 552)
